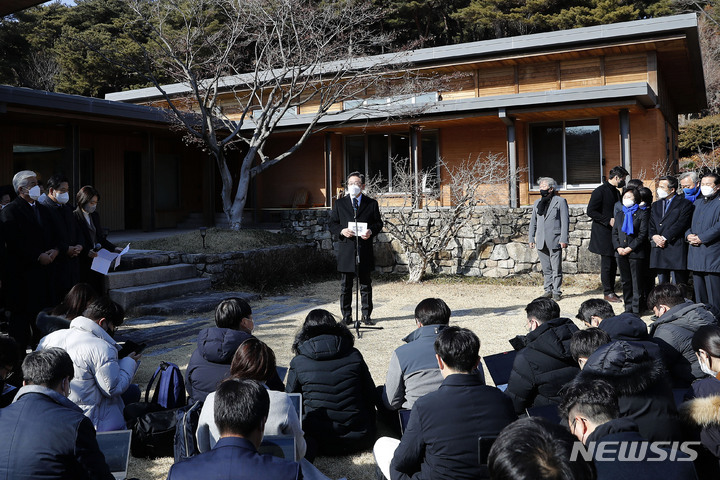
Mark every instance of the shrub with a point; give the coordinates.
(702, 135)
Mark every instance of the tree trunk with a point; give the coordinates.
(417, 265)
(235, 215)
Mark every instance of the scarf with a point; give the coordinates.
(543, 205)
(695, 193)
(627, 225)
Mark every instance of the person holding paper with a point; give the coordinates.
(355, 212)
(88, 221)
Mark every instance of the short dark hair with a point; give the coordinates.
(105, 308)
(230, 312)
(432, 311)
(56, 180)
(595, 399)
(253, 360)
(707, 338)
(357, 174)
(715, 177)
(595, 307)
(85, 194)
(543, 309)
(634, 183)
(532, 448)
(646, 195)
(665, 294)
(618, 172)
(583, 343)
(635, 193)
(9, 351)
(241, 405)
(47, 367)
(458, 348)
(672, 181)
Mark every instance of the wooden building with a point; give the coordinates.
(570, 104)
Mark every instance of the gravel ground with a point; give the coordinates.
(494, 312)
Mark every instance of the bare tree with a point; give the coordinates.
(306, 61)
(40, 71)
(432, 213)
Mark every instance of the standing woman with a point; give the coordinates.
(629, 235)
(338, 391)
(92, 233)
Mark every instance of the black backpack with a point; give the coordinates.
(186, 425)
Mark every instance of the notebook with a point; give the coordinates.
(115, 446)
(500, 366)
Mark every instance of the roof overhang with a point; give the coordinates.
(11, 6)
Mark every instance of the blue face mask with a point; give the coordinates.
(690, 191)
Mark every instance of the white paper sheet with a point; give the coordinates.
(105, 258)
(361, 228)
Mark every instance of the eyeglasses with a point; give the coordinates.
(359, 184)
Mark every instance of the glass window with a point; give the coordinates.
(355, 153)
(378, 166)
(428, 161)
(569, 152)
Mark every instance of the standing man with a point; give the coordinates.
(351, 208)
(601, 210)
(549, 230)
(704, 239)
(690, 185)
(670, 216)
(31, 248)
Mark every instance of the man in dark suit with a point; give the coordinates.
(548, 232)
(31, 248)
(670, 216)
(601, 210)
(346, 211)
(441, 439)
(241, 410)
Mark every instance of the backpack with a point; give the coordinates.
(187, 420)
(153, 432)
(170, 389)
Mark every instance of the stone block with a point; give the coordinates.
(499, 252)
(384, 255)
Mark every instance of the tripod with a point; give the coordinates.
(357, 276)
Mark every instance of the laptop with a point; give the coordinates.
(404, 415)
(281, 446)
(115, 446)
(548, 412)
(500, 366)
(296, 399)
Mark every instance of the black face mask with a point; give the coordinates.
(621, 184)
(544, 193)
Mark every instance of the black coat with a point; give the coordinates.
(644, 393)
(706, 225)
(441, 439)
(638, 240)
(86, 275)
(672, 226)
(338, 391)
(630, 327)
(702, 414)
(342, 213)
(542, 368)
(600, 210)
(66, 269)
(673, 332)
(210, 362)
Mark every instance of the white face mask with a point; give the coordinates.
(628, 202)
(354, 190)
(34, 193)
(62, 197)
(707, 190)
(662, 193)
(705, 367)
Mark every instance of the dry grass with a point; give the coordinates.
(217, 240)
(495, 312)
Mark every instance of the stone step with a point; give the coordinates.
(146, 276)
(128, 297)
(135, 259)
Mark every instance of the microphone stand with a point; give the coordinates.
(353, 201)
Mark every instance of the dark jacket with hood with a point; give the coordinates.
(649, 468)
(628, 326)
(702, 414)
(543, 366)
(673, 333)
(210, 362)
(644, 394)
(338, 391)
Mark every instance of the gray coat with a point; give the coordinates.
(553, 228)
(706, 225)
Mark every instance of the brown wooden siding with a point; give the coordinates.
(626, 69)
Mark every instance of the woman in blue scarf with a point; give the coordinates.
(629, 237)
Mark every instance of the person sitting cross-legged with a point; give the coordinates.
(592, 412)
(441, 439)
(44, 434)
(241, 410)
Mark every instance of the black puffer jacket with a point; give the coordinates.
(673, 333)
(644, 394)
(338, 391)
(628, 326)
(543, 366)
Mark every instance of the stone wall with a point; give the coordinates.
(494, 245)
